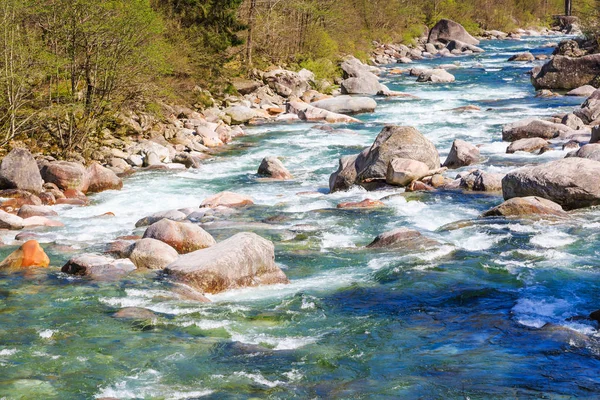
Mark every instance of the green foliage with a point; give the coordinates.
(323, 68)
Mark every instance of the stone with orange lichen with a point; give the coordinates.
(30, 254)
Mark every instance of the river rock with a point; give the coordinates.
(273, 168)
(135, 313)
(462, 154)
(101, 179)
(28, 210)
(97, 266)
(571, 182)
(595, 137)
(152, 254)
(480, 181)
(19, 170)
(368, 84)
(66, 175)
(347, 104)
(240, 114)
(10, 221)
(307, 112)
(40, 221)
(590, 151)
(402, 171)
(582, 91)
(173, 215)
(402, 238)
(396, 142)
(352, 67)
(345, 177)
(525, 206)
(532, 128)
(567, 73)
(529, 145)
(30, 254)
(366, 203)
(436, 76)
(527, 56)
(184, 237)
(573, 121)
(243, 260)
(227, 199)
(590, 109)
(447, 30)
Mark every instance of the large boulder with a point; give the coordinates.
(462, 154)
(447, 30)
(347, 104)
(345, 177)
(184, 237)
(591, 151)
(532, 128)
(525, 206)
(101, 179)
(152, 254)
(567, 73)
(582, 91)
(227, 199)
(396, 142)
(30, 254)
(308, 112)
(402, 238)
(352, 67)
(286, 83)
(527, 56)
(571, 182)
(98, 266)
(239, 114)
(243, 260)
(402, 171)
(19, 170)
(573, 121)
(29, 210)
(66, 175)
(273, 168)
(528, 145)
(481, 181)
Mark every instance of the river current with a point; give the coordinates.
(490, 313)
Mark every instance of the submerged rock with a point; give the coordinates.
(402, 238)
(19, 170)
(227, 199)
(526, 206)
(30, 254)
(462, 154)
(526, 56)
(366, 203)
(135, 313)
(152, 254)
(243, 260)
(570, 182)
(184, 237)
(273, 168)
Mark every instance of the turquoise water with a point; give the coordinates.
(486, 314)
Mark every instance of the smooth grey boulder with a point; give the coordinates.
(98, 267)
(532, 128)
(184, 237)
(567, 73)
(19, 170)
(436, 76)
(590, 151)
(573, 121)
(345, 176)
(590, 109)
(362, 85)
(10, 221)
(582, 91)
(150, 253)
(481, 181)
(243, 260)
(173, 215)
(240, 114)
(396, 142)
(404, 239)
(347, 104)
(571, 182)
(402, 171)
(462, 154)
(524, 207)
(528, 145)
(447, 30)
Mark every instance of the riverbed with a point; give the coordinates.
(489, 313)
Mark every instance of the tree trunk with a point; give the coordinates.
(568, 5)
(250, 28)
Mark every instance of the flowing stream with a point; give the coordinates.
(487, 314)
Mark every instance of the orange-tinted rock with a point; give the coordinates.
(227, 199)
(101, 178)
(418, 186)
(30, 254)
(73, 202)
(21, 197)
(66, 175)
(367, 203)
(47, 198)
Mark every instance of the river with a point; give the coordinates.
(487, 314)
